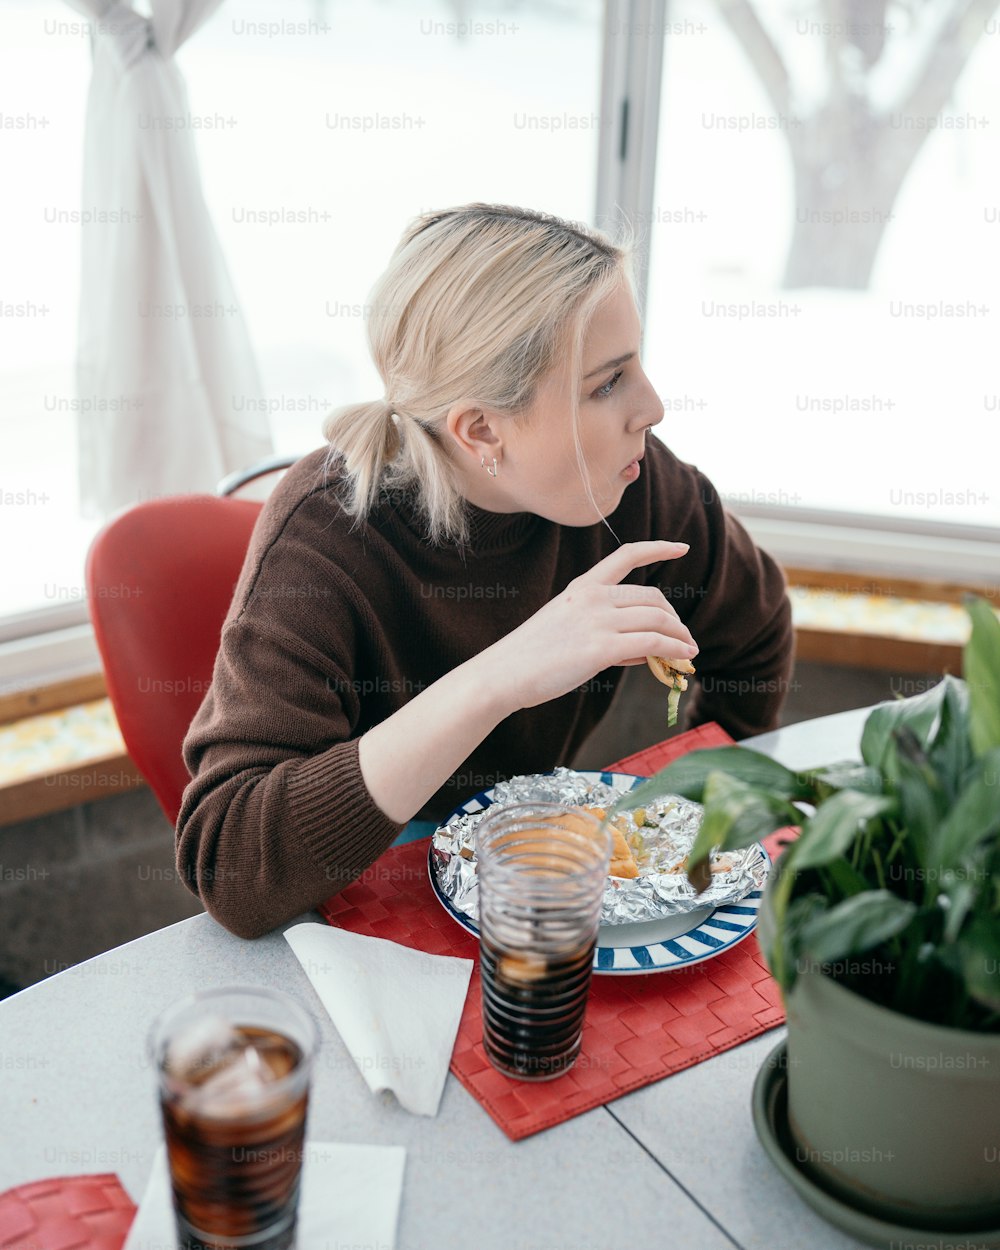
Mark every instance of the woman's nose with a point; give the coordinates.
(650, 414)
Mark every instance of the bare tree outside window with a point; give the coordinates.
(890, 70)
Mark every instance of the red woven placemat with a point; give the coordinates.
(637, 1028)
(66, 1213)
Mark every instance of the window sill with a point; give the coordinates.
(59, 747)
(41, 794)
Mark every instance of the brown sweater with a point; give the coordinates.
(331, 630)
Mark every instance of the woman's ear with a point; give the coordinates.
(473, 432)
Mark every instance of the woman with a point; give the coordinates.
(449, 593)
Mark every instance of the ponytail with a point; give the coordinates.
(381, 449)
(424, 463)
(366, 437)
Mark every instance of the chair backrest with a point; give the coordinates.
(160, 580)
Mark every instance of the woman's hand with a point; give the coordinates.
(594, 624)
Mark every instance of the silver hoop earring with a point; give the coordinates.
(492, 472)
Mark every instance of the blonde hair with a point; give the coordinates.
(478, 303)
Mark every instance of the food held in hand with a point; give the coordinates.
(671, 673)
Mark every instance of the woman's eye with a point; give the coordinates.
(604, 391)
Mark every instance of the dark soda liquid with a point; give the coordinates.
(533, 1009)
(235, 1160)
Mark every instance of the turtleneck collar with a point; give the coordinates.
(491, 531)
(488, 531)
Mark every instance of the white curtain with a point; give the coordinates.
(163, 350)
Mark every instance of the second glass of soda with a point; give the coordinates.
(542, 869)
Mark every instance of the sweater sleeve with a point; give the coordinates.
(277, 816)
(731, 595)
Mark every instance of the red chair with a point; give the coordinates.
(160, 579)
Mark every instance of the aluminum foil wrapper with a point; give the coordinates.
(660, 845)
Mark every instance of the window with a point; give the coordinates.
(321, 129)
(820, 341)
(824, 349)
(45, 87)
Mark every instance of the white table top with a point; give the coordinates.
(676, 1164)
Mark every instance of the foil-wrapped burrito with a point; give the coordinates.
(660, 836)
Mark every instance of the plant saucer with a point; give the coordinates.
(770, 1117)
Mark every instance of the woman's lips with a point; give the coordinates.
(631, 470)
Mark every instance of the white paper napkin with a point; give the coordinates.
(350, 1197)
(397, 1009)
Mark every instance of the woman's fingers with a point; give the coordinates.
(651, 643)
(634, 619)
(629, 556)
(595, 623)
(628, 595)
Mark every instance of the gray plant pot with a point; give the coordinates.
(898, 1117)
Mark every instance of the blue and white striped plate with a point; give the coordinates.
(649, 945)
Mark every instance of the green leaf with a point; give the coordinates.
(950, 753)
(974, 816)
(846, 878)
(981, 665)
(960, 893)
(845, 775)
(777, 896)
(919, 713)
(827, 835)
(797, 916)
(673, 699)
(736, 815)
(979, 947)
(857, 924)
(922, 801)
(687, 776)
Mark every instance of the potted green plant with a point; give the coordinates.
(881, 924)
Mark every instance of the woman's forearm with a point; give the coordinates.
(410, 755)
